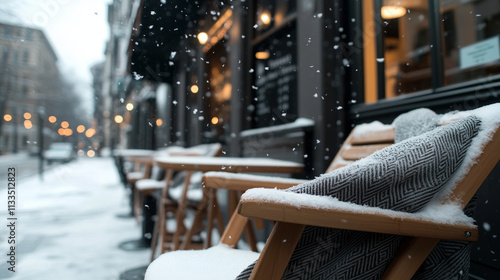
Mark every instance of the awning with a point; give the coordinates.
(159, 27)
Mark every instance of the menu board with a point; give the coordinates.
(275, 80)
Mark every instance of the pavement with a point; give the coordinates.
(66, 224)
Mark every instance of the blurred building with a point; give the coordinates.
(289, 79)
(29, 80)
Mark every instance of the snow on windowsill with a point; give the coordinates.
(298, 123)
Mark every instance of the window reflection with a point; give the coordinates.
(471, 31)
(407, 49)
(272, 13)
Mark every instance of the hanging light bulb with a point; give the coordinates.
(391, 12)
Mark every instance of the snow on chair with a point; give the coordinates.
(379, 217)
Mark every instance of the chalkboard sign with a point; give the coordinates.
(275, 80)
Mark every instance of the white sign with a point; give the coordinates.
(480, 53)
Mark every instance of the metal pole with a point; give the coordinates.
(41, 114)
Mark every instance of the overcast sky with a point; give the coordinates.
(77, 30)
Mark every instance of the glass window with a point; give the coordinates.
(406, 47)
(471, 45)
(411, 47)
(275, 79)
(272, 13)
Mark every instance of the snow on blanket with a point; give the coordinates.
(434, 211)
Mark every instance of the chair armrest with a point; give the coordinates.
(317, 211)
(243, 182)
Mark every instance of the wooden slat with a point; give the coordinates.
(466, 189)
(276, 254)
(344, 219)
(359, 152)
(374, 137)
(409, 258)
(340, 164)
(234, 230)
(246, 183)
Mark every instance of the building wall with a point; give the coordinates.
(29, 80)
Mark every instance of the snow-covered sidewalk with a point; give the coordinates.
(66, 226)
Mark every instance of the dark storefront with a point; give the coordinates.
(248, 73)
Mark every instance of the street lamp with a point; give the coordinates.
(118, 119)
(203, 38)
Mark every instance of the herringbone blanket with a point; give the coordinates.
(402, 177)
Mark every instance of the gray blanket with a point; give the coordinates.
(402, 177)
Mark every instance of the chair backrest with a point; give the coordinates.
(207, 150)
(361, 144)
(363, 141)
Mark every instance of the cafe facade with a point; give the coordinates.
(289, 79)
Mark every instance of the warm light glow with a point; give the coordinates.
(80, 153)
(91, 153)
(118, 119)
(391, 12)
(129, 107)
(194, 89)
(60, 131)
(65, 124)
(265, 18)
(7, 117)
(28, 124)
(159, 122)
(80, 129)
(27, 115)
(68, 132)
(90, 132)
(215, 120)
(262, 55)
(52, 119)
(203, 38)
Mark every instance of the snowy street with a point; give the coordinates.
(67, 226)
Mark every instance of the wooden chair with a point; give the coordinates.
(146, 186)
(169, 203)
(423, 234)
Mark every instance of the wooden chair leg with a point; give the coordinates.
(218, 217)
(197, 224)
(161, 215)
(234, 229)
(409, 258)
(250, 236)
(211, 211)
(279, 247)
(180, 216)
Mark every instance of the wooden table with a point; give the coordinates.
(133, 152)
(229, 164)
(226, 164)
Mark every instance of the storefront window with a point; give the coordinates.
(219, 90)
(272, 13)
(275, 79)
(471, 45)
(411, 47)
(406, 47)
(274, 68)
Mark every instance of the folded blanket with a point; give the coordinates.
(402, 177)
